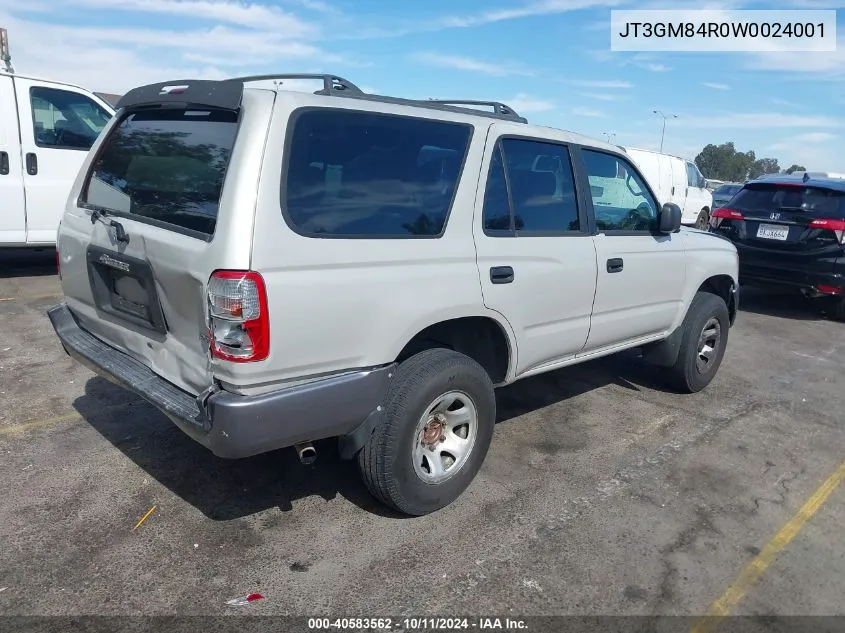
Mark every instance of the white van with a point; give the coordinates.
(678, 181)
(46, 130)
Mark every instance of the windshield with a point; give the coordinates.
(727, 190)
(815, 201)
(166, 166)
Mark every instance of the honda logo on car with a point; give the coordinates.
(172, 90)
(108, 261)
(774, 216)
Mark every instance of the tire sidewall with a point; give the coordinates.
(704, 307)
(420, 497)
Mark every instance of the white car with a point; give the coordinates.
(46, 130)
(679, 181)
(270, 268)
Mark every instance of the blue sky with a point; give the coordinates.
(549, 59)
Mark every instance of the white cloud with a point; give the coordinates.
(816, 65)
(607, 85)
(541, 7)
(761, 120)
(714, 86)
(589, 112)
(523, 103)
(603, 96)
(802, 140)
(784, 102)
(459, 62)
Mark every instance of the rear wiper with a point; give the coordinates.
(98, 214)
(791, 209)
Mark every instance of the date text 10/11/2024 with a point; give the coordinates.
(417, 624)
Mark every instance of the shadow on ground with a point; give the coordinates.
(786, 304)
(225, 489)
(25, 262)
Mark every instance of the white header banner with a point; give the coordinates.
(717, 30)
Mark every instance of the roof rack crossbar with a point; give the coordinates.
(331, 83)
(498, 107)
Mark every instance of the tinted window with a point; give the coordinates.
(362, 174)
(815, 201)
(727, 190)
(166, 165)
(621, 200)
(542, 189)
(65, 120)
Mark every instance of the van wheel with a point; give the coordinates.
(438, 422)
(703, 341)
(702, 222)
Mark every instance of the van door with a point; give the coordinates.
(679, 183)
(58, 126)
(13, 205)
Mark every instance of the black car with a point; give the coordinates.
(789, 231)
(723, 193)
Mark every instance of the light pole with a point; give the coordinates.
(663, 134)
(609, 135)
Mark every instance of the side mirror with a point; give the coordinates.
(669, 218)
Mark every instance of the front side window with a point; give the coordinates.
(362, 174)
(65, 120)
(165, 165)
(621, 199)
(538, 195)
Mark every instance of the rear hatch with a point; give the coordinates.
(139, 245)
(796, 226)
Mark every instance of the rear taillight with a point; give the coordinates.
(239, 325)
(724, 214)
(837, 226)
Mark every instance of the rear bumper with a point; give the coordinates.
(230, 425)
(806, 279)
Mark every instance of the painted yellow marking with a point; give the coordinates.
(59, 419)
(144, 518)
(757, 567)
(31, 298)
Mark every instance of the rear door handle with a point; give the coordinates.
(31, 164)
(4, 163)
(501, 274)
(614, 265)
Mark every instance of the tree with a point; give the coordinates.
(763, 166)
(795, 167)
(723, 162)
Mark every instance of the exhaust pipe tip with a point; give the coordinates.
(307, 453)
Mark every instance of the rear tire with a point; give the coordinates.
(438, 423)
(702, 222)
(703, 341)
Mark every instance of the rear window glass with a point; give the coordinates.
(727, 190)
(815, 201)
(165, 165)
(361, 174)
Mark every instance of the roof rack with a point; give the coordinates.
(498, 107)
(331, 83)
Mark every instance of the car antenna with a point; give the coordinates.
(5, 56)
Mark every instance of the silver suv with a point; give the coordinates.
(270, 268)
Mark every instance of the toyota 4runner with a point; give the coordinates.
(271, 267)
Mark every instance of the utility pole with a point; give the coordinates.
(5, 57)
(663, 134)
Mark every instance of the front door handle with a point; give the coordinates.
(4, 163)
(31, 164)
(501, 274)
(614, 265)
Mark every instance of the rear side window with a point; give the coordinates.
(362, 174)
(815, 201)
(166, 166)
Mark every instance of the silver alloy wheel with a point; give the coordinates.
(708, 345)
(444, 437)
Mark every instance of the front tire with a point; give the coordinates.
(437, 426)
(704, 339)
